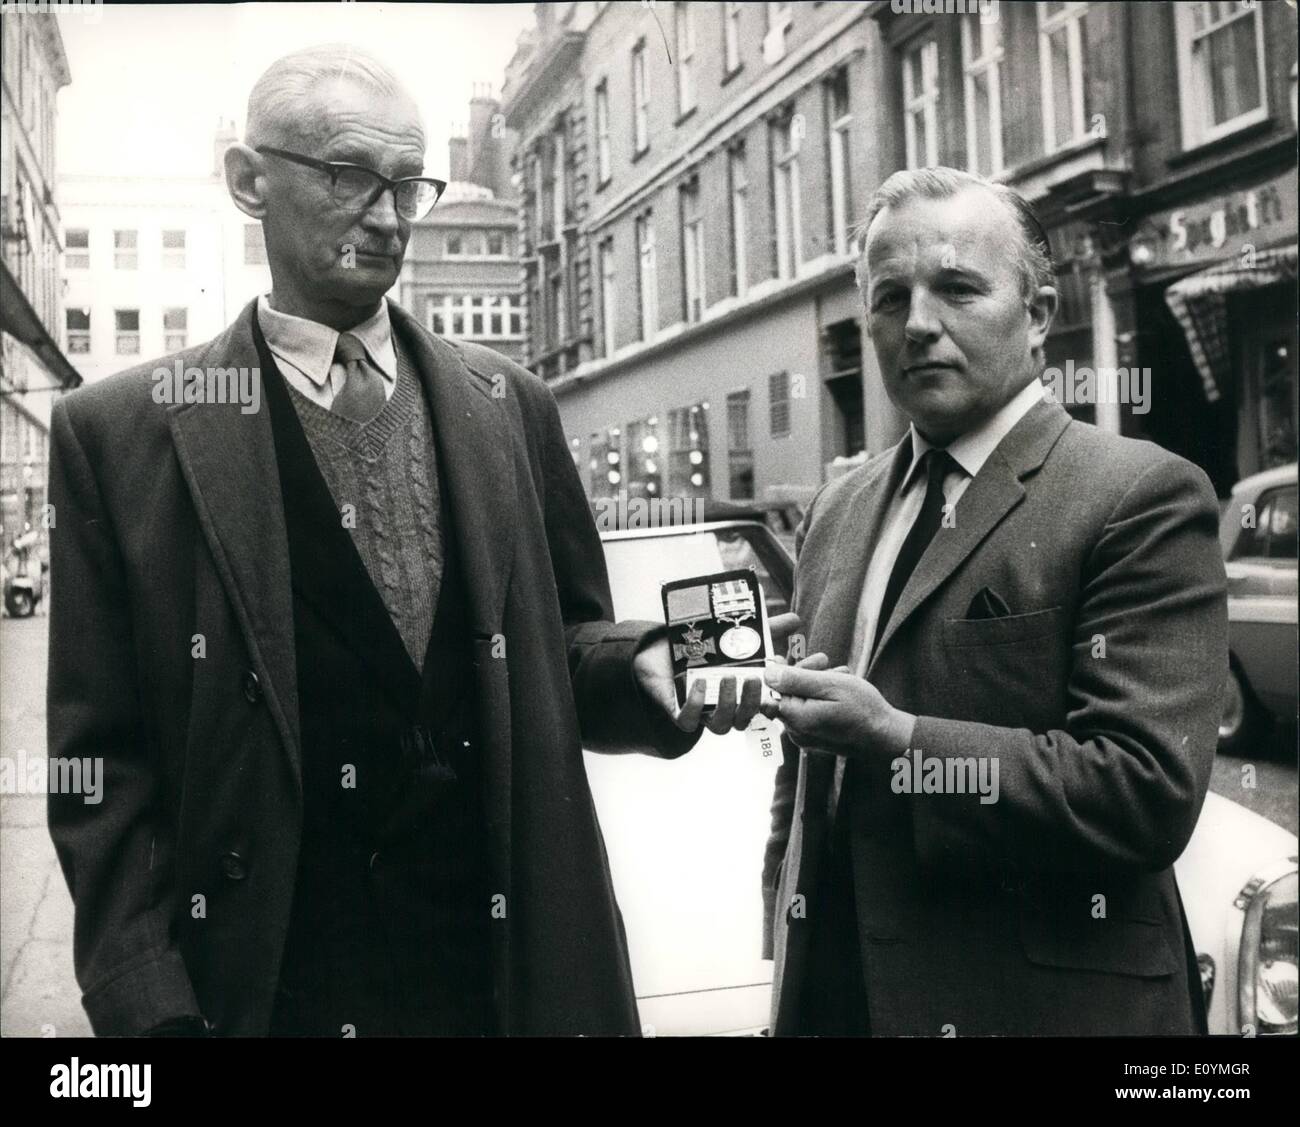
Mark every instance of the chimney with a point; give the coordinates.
(221, 141)
(487, 143)
(458, 158)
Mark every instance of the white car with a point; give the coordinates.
(686, 838)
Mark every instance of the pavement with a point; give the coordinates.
(39, 996)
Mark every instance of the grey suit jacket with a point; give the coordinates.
(1053, 909)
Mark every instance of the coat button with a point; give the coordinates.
(233, 867)
(252, 687)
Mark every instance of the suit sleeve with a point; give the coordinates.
(1122, 783)
(614, 714)
(783, 793)
(131, 973)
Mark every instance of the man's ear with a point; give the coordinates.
(1042, 311)
(246, 180)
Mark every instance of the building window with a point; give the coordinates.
(496, 244)
(981, 57)
(730, 37)
(787, 135)
(603, 154)
(778, 404)
(740, 452)
(606, 462)
(124, 250)
(558, 181)
(608, 296)
(692, 251)
(688, 451)
(476, 316)
(559, 323)
(640, 100)
(837, 143)
(1060, 53)
(254, 245)
(77, 244)
(647, 277)
(77, 322)
(684, 21)
(128, 331)
(644, 462)
(739, 218)
(455, 244)
(1220, 68)
(778, 22)
(173, 250)
(921, 104)
(175, 329)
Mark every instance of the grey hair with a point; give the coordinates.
(1033, 253)
(278, 110)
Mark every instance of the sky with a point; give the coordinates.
(150, 82)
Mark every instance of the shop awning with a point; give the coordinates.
(1200, 302)
(20, 320)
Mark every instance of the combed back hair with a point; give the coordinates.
(1033, 253)
(279, 104)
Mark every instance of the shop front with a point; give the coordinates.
(1216, 321)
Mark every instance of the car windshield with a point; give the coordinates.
(638, 565)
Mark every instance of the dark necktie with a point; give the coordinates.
(361, 397)
(937, 463)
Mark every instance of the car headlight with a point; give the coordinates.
(1269, 966)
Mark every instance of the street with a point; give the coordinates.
(40, 996)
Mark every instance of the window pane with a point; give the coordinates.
(1062, 114)
(1234, 73)
(778, 392)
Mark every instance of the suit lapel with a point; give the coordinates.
(993, 493)
(832, 625)
(227, 459)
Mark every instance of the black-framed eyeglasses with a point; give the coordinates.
(355, 187)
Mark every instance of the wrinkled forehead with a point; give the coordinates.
(971, 230)
(346, 112)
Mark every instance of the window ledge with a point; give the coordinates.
(601, 185)
(1048, 160)
(685, 115)
(637, 154)
(1219, 144)
(731, 74)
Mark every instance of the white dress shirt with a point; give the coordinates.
(970, 452)
(304, 351)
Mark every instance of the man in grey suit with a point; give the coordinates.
(975, 823)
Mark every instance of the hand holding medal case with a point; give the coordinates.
(717, 627)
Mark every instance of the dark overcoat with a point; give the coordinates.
(172, 658)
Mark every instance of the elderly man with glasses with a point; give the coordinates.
(340, 656)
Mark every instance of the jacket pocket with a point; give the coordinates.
(962, 632)
(1115, 945)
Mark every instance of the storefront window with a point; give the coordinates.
(688, 458)
(644, 460)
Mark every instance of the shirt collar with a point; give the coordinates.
(309, 345)
(972, 449)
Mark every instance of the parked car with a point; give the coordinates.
(685, 839)
(1258, 532)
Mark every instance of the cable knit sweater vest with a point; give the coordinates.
(383, 476)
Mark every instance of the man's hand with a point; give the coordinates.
(834, 711)
(653, 667)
